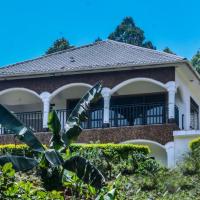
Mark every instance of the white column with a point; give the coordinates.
(170, 154)
(106, 96)
(171, 88)
(46, 105)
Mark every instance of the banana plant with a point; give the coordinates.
(55, 156)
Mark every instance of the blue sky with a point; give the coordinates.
(28, 27)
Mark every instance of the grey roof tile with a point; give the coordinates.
(99, 55)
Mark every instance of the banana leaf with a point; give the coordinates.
(55, 127)
(85, 171)
(24, 134)
(20, 163)
(79, 114)
(53, 157)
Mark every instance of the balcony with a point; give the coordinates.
(120, 116)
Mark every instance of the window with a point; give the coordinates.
(194, 115)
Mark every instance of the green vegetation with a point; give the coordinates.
(59, 45)
(196, 61)
(129, 33)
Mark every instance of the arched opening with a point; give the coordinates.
(158, 150)
(64, 99)
(138, 101)
(26, 104)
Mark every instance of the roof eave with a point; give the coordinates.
(97, 70)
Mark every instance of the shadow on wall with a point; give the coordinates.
(157, 150)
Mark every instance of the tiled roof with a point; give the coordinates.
(100, 55)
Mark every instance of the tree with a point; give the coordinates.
(196, 61)
(98, 39)
(168, 50)
(59, 45)
(129, 33)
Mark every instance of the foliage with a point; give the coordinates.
(15, 187)
(194, 144)
(129, 33)
(168, 50)
(112, 150)
(59, 45)
(112, 159)
(98, 39)
(196, 61)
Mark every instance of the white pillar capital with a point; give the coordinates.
(106, 111)
(171, 86)
(106, 92)
(45, 96)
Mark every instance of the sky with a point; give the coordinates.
(29, 27)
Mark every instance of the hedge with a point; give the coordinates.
(115, 148)
(195, 143)
(120, 149)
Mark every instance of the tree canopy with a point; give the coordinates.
(196, 61)
(59, 45)
(129, 33)
(168, 50)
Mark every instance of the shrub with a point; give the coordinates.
(14, 187)
(111, 150)
(194, 144)
(111, 159)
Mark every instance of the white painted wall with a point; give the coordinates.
(181, 143)
(188, 87)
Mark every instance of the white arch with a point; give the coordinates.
(68, 86)
(20, 89)
(158, 150)
(144, 141)
(124, 83)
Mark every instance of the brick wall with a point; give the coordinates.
(159, 133)
(110, 79)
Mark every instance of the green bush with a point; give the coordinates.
(111, 159)
(194, 144)
(111, 150)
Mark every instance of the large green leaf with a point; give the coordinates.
(53, 157)
(10, 122)
(55, 127)
(85, 171)
(20, 163)
(79, 114)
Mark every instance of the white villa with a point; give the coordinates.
(149, 97)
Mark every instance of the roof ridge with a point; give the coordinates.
(49, 55)
(145, 49)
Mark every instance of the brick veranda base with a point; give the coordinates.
(159, 133)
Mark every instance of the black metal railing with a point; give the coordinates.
(33, 120)
(95, 118)
(138, 114)
(121, 115)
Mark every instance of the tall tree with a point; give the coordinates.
(59, 45)
(128, 32)
(168, 50)
(98, 39)
(196, 61)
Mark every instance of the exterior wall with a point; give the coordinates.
(110, 79)
(159, 133)
(181, 143)
(186, 89)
